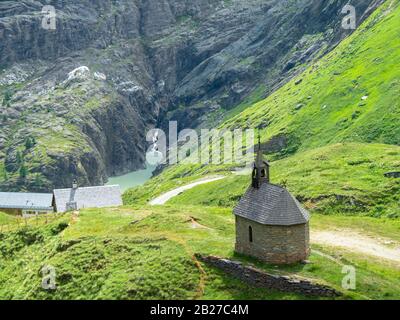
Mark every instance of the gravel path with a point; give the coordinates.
(164, 198)
(357, 243)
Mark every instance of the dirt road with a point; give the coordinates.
(356, 242)
(164, 198)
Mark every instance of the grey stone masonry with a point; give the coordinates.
(272, 244)
(261, 279)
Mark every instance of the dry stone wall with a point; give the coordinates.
(261, 279)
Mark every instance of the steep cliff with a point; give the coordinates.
(77, 101)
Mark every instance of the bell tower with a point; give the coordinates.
(261, 168)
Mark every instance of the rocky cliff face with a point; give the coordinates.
(77, 101)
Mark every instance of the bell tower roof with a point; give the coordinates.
(260, 161)
(261, 168)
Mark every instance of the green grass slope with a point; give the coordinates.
(325, 104)
(148, 253)
(340, 121)
(336, 179)
(118, 254)
(6, 219)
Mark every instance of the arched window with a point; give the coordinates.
(250, 234)
(263, 173)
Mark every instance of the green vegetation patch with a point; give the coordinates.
(148, 253)
(344, 178)
(91, 267)
(352, 94)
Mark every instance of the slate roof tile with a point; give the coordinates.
(271, 205)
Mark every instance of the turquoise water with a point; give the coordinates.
(132, 179)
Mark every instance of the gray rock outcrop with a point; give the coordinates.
(147, 62)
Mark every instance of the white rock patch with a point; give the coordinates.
(82, 72)
(100, 76)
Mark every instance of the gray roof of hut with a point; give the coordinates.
(271, 205)
(88, 197)
(26, 201)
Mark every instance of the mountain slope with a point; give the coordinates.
(337, 179)
(147, 62)
(344, 178)
(352, 94)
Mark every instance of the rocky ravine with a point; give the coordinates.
(76, 102)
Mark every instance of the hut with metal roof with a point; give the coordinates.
(271, 224)
(19, 203)
(77, 198)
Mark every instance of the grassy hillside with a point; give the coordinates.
(352, 94)
(6, 219)
(337, 179)
(148, 253)
(340, 122)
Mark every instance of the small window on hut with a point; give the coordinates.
(250, 234)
